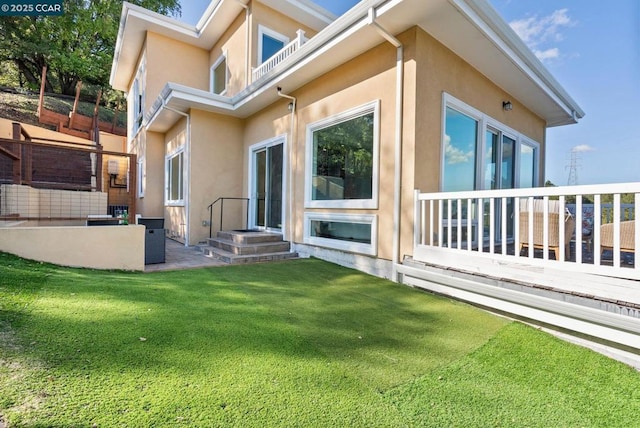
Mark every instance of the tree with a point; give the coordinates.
(77, 45)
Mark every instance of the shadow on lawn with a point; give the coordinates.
(201, 319)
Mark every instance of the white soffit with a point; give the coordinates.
(476, 33)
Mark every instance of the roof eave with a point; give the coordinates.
(348, 36)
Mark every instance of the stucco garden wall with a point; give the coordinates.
(99, 247)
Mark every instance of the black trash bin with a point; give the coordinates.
(154, 242)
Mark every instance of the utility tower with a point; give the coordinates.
(573, 166)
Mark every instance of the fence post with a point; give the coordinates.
(17, 150)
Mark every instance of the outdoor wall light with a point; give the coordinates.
(507, 106)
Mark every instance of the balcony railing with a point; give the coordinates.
(280, 56)
(591, 229)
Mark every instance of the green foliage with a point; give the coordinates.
(9, 76)
(301, 343)
(77, 45)
(346, 149)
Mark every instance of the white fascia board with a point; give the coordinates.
(487, 20)
(178, 97)
(208, 14)
(355, 20)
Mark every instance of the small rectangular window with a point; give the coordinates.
(142, 176)
(175, 182)
(219, 76)
(347, 232)
(527, 165)
(341, 230)
(269, 43)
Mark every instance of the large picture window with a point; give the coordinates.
(479, 153)
(175, 178)
(342, 153)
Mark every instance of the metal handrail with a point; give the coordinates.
(221, 200)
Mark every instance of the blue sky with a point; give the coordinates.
(593, 49)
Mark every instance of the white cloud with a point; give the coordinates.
(545, 55)
(454, 155)
(582, 148)
(538, 32)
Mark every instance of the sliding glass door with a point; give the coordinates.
(267, 195)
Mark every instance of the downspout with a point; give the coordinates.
(186, 180)
(397, 178)
(247, 59)
(292, 145)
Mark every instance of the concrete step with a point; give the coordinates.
(232, 258)
(249, 237)
(252, 248)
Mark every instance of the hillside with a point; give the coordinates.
(22, 107)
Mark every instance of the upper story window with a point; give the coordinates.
(342, 157)
(136, 98)
(480, 153)
(219, 76)
(269, 43)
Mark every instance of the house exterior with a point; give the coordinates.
(328, 124)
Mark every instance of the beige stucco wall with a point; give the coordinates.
(113, 143)
(169, 60)
(151, 144)
(100, 247)
(217, 170)
(233, 44)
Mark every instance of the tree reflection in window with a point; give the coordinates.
(343, 160)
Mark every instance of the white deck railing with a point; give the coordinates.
(533, 226)
(280, 56)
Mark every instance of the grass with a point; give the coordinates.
(303, 343)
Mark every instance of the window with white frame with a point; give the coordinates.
(136, 100)
(175, 178)
(342, 160)
(219, 76)
(348, 232)
(142, 176)
(482, 153)
(269, 43)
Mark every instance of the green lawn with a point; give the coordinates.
(302, 343)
